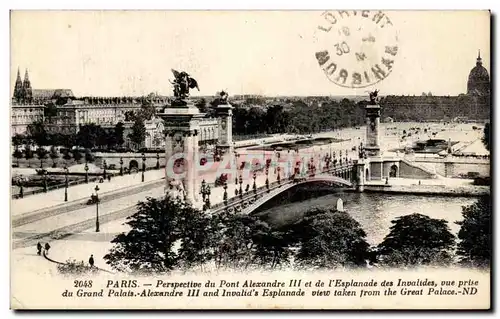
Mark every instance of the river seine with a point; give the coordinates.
(375, 211)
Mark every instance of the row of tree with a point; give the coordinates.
(42, 154)
(298, 118)
(169, 234)
(89, 136)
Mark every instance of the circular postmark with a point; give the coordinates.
(355, 49)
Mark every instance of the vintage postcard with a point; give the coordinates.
(335, 159)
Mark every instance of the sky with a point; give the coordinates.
(116, 53)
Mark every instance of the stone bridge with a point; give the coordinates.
(343, 176)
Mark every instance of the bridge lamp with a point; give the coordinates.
(224, 197)
(254, 185)
(241, 189)
(203, 189)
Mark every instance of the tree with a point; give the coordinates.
(417, 239)
(17, 140)
(28, 154)
(201, 104)
(156, 228)
(475, 234)
(66, 155)
(41, 153)
(138, 134)
(37, 133)
(235, 245)
(196, 234)
(54, 154)
(89, 158)
(77, 156)
(148, 109)
(17, 155)
(118, 132)
(89, 135)
(330, 238)
(486, 136)
(272, 246)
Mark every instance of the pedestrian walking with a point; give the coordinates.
(47, 247)
(39, 249)
(109, 178)
(91, 260)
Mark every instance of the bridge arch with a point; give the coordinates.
(328, 179)
(133, 164)
(394, 171)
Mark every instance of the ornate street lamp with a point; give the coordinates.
(224, 197)
(241, 190)
(86, 172)
(203, 189)
(157, 161)
(20, 182)
(45, 181)
(207, 202)
(143, 166)
(104, 170)
(254, 184)
(66, 183)
(97, 208)
(121, 166)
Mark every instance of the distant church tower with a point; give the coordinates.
(27, 90)
(18, 88)
(479, 79)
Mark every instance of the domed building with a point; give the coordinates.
(479, 79)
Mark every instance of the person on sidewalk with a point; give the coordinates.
(47, 247)
(39, 249)
(91, 260)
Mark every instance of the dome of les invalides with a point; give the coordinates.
(479, 79)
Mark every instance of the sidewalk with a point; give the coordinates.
(80, 246)
(79, 192)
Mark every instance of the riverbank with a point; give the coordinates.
(433, 187)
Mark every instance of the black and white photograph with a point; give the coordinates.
(324, 159)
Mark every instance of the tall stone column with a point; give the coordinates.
(224, 114)
(372, 130)
(181, 149)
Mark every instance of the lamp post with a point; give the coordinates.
(207, 202)
(45, 181)
(143, 166)
(236, 156)
(121, 166)
(241, 190)
(66, 184)
(254, 184)
(97, 208)
(104, 170)
(86, 172)
(157, 161)
(21, 186)
(224, 197)
(204, 191)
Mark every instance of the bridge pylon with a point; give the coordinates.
(181, 149)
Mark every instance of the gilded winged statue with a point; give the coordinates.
(374, 97)
(182, 83)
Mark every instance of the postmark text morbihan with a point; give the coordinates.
(356, 49)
